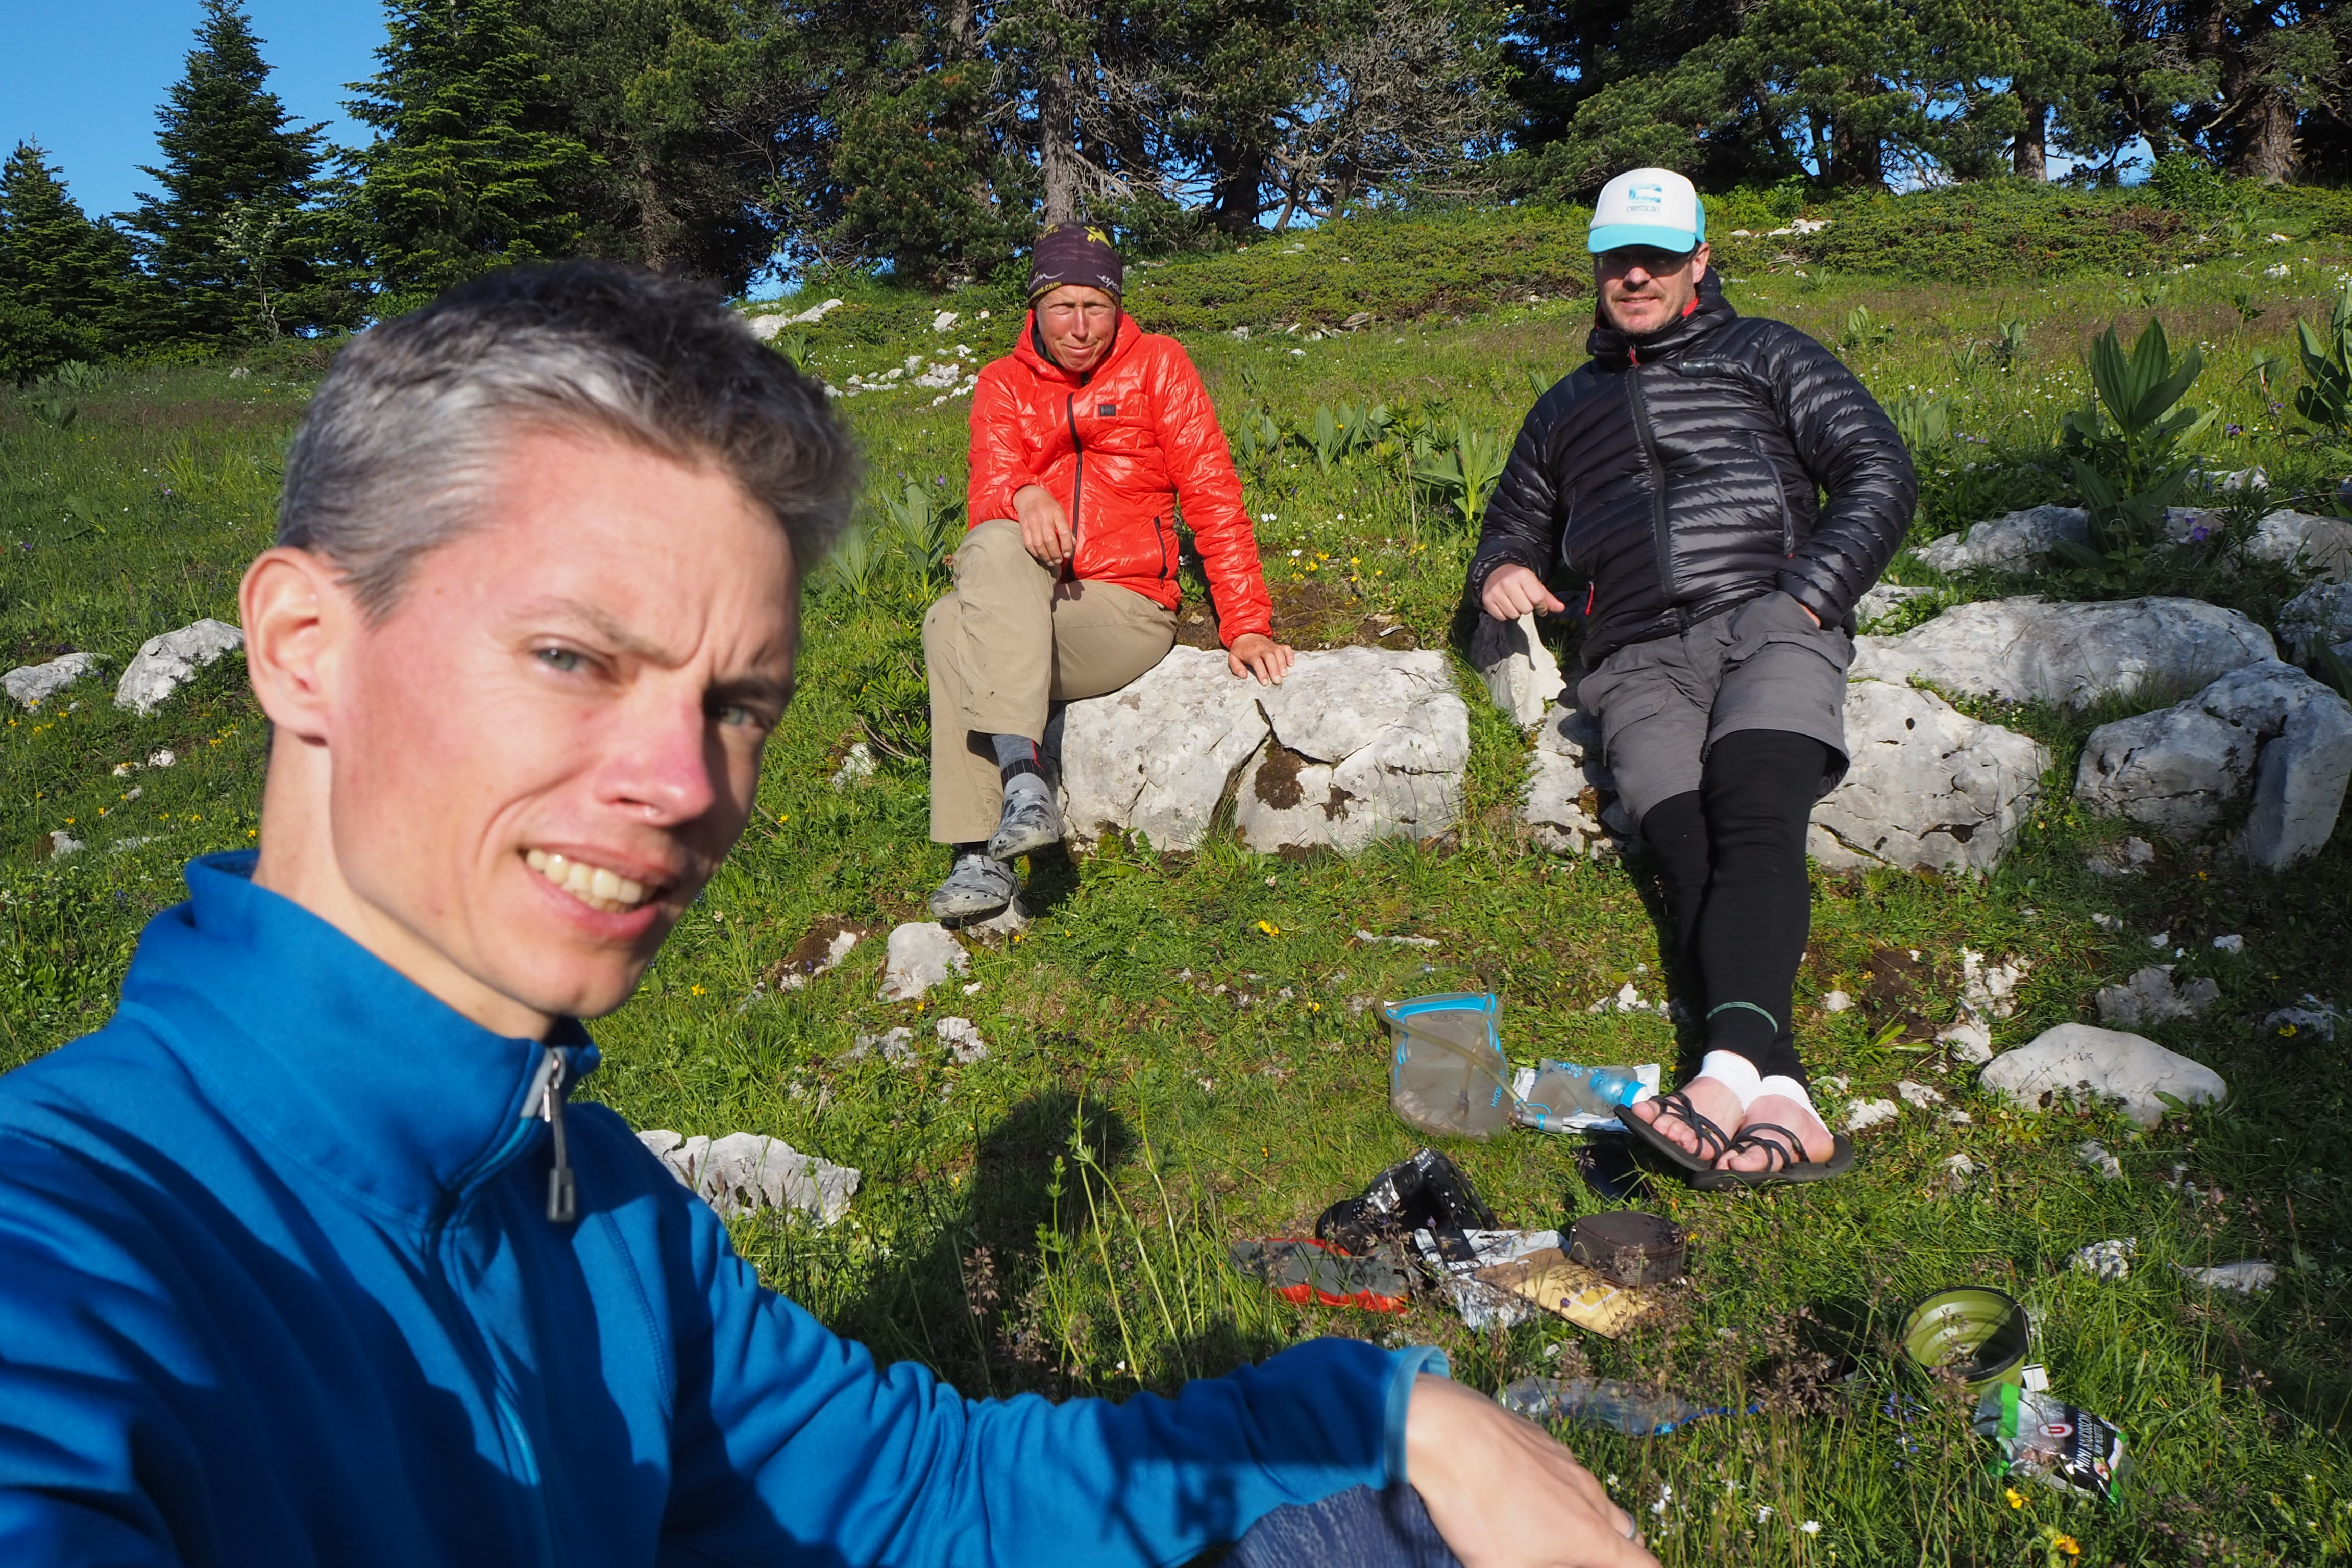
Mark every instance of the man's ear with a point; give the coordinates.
(298, 617)
(1698, 262)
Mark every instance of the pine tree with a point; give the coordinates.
(235, 239)
(66, 284)
(473, 166)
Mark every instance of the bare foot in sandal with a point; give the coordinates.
(1712, 1100)
(1762, 1142)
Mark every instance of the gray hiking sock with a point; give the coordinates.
(1016, 757)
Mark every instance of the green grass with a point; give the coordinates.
(1054, 1217)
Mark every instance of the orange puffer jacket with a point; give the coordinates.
(1120, 448)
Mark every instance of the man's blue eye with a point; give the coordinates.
(559, 658)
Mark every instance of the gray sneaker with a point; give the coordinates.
(978, 886)
(1031, 822)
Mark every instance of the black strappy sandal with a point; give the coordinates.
(1793, 1166)
(1714, 1142)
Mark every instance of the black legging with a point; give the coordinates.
(1733, 851)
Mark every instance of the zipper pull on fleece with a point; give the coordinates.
(549, 1089)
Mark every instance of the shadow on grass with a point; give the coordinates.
(955, 1303)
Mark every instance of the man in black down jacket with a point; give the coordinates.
(1677, 478)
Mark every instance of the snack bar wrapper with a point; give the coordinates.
(2059, 1445)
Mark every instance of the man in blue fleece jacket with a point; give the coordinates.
(302, 1259)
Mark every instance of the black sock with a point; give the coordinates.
(1757, 794)
(1016, 755)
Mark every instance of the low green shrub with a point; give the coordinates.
(1390, 268)
(1998, 230)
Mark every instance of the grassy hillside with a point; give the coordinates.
(1179, 1051)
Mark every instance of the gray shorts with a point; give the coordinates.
(1763, 664)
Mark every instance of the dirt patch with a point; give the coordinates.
(813, 955)
(1277, 778)
(1896, 985)
(1308, 616)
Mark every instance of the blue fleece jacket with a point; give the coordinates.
(278, 1286)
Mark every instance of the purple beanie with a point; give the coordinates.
(1075, 253)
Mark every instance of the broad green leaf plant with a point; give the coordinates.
(2325, 398)
(2126, 445)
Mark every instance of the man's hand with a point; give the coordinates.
(1505, 1495)
(1045, 527)
(1513, 591)
(1254, 653)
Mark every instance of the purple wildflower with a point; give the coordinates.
(2201, 533)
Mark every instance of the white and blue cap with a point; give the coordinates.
(1655, 207)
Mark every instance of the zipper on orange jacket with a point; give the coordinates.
(1077, 480)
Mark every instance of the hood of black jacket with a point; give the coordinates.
(1614, 350)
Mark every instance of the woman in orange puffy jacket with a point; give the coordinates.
(1087, 441)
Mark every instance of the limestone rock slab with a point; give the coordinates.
(169, 660)
(1519, 671)
(2029, 649)
(1160, 754)
(2017, 541)
(2266, 730)
(2152, 996)
(1565, 800)
(31, 683)
(2076, 1061)
(2304, 543)
(1366, 743)
(1882, 600)
(919, 956)
(744, 1172)
(1929, 787)
(2320, 616)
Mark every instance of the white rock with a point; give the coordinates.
(62, 844)
(2132, 858)
(2017, 541)
(1929, 787)
(2093, 1155)
(921, 955)
(1519, 671)
(1989, 990)
(1562, 800)
(166, 662)
(944, 321)
(1870, 1113)
(1367, 745)
(1970, 1042)
(2305, 544)
(2245, 1278)
(163, 757)
(1881, 600)
(2266, 730)
(2315, 1016)
(897, 1046)
(744, 1172)
(2232, 943)
(2106, 1260)
(1918, 1094)
(1836, 1002)
(963, 1037)
(1157, 756)
(31, 683)
(2030, 649)
(2102, 1065)
(766, 327)
(857, 763)
(2152, 996)
(1400, 940)
(835, 952)
(2320, 616)
(1957, 1168)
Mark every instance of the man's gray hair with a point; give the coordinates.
(402, 443)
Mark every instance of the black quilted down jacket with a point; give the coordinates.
(1678, 475)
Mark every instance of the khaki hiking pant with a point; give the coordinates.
(1010, 639)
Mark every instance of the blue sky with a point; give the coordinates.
(83, 78)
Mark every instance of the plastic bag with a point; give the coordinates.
(1426, 1191)
(1447, 1072)
(2059, 1445)
(1608, 1402)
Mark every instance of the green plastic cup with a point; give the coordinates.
(1978, 1334)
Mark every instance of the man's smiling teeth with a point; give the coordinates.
(596, 886)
